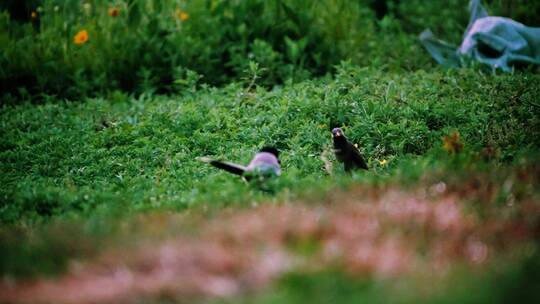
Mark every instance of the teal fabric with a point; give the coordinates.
(499, 42)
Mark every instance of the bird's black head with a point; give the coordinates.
(271, 150)
(340, 141)
(337, 132)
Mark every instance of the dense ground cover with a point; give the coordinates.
(127, 154)
(102, 197)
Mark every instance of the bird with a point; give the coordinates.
(346, 152)
(264, 164)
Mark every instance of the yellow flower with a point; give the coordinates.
(114, 11)
(182, 15)
(33, 15)
(383, 162)
(81, 37)
(452, 144)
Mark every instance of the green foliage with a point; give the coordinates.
(517, 281)
(326, 287)
(53, 247)
(150, 45)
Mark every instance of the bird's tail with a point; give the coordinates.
(229, 167)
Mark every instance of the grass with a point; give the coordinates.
(125, 154)
(509, 282)
(495, 208)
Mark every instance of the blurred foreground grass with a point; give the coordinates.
(467, 235)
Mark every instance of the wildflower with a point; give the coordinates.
(114, 11)
(33, 14)
(182, 15)
(452, 144)
(81, 37)
(383, 162)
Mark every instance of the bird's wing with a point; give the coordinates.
(357, 158)
(229, 167)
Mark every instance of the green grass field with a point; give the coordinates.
(125, 154)
(102, 198)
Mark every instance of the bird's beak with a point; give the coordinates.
(338, 134)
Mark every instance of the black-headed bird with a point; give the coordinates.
(346, 152)
(263, 165)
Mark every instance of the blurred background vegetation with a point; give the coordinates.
(163, 46)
